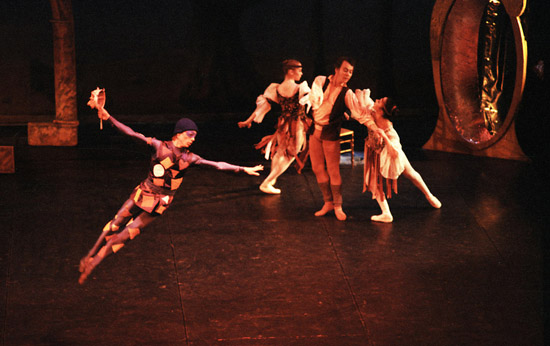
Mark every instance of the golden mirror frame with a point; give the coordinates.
(446, 137)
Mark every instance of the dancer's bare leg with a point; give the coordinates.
(416, 179)
(279, 164)
(386, 215)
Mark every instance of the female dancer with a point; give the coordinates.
(387, 159)
(289, 140)
(150, 199)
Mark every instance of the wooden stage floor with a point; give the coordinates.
(229, 265)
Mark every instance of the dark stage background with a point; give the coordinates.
(470, 271)
(215, 56)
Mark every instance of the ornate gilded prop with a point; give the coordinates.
(479, 57)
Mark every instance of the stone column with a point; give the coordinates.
(63, 131)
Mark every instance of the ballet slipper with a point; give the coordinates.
(386, 218)
(434, 202)
(82, 278)
(269, 189)
(386, 215)
(340, 215)
(328, 206)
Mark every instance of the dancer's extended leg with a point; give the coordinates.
(122, 217)
(116, 243)
(416, 179)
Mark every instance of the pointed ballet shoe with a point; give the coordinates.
(269, 189)
(434, 202)
(82, 278)
(340, 215)
(387, 218)
(328, 206)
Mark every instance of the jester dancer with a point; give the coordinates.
(331, 99)
(153, 195)
(285, 145)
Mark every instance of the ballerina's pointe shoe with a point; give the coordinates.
(328, 206)
(269, 189)
(387, 218)
(434, 202)
(340, 215)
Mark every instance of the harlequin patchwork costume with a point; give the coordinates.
(152, 196)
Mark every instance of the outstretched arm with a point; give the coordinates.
(360, 105)
(253, 170)
(224, 166)
(104, 115)
(247, 122)
(262, 106)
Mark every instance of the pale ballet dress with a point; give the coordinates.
(380, 164)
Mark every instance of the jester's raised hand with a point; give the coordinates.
(97, 101)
